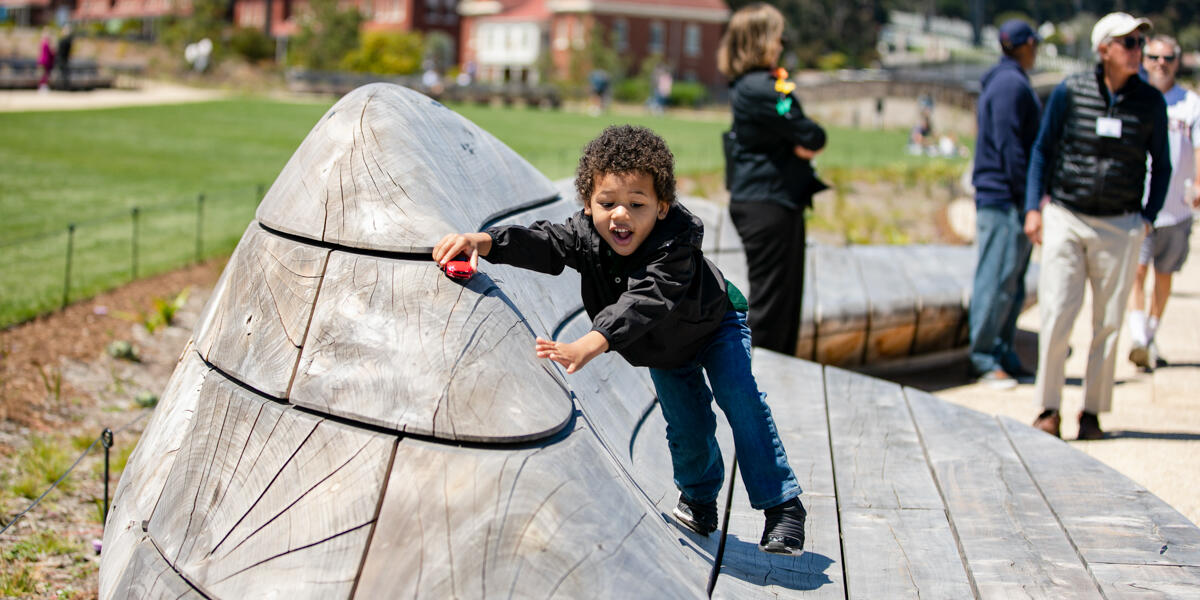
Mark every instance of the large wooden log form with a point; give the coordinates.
(350, 423)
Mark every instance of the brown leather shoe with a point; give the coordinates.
(1089, 427)
(1049, 422)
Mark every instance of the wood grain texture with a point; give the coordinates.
(940, 310)
(615, 398)
(959, 263)
(892, 303)
(553, 521)
(397, 343)
(877, 455)
(1144, 582)
(841, 307)
(1130, 525)
(149, 577)
(387, 168)
(256, 325)
(264, 499)
(147, 469)
(901, 553)
(1010, 536)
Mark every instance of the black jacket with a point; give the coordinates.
(656, 307)
(760, 165)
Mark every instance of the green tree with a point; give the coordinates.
(327, 35)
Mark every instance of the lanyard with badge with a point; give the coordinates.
(1109, 127)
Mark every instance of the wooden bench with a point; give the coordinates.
(349, 422)
(24, 73)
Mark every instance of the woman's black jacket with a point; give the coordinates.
(760, 164)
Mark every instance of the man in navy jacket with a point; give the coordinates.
(1008, 114)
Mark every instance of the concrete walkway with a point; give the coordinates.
(1154, 427)
(148, 92)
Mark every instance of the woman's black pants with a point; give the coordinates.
(773, 236)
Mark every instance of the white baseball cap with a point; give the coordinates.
(1115, 25)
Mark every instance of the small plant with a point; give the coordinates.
(122, 349)
(146, 399)
(161, 313)
(52, 382)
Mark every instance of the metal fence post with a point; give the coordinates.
(70, 252)
(106, 439)
(199, 227)
(133, 266)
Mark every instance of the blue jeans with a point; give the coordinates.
(686, 402)
(999, 288)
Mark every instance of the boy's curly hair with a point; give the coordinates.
(626, 149)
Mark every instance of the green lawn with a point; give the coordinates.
(90, 168)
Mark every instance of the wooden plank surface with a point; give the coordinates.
(398, 344)
(149, 577)
(901, 553)
(841, 307)
(1130, 526)
(940, 311)
(1012, 541)
(147, 469)
(256, 325)
(264, 499)
(959, 263)
(552, 521)
(892, 303)
(387, 168)
(615, 398)
(877, 455)
(796, 394)
(1147, 581)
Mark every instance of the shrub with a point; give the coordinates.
(386, 53)
(252, 44)
(832, 61)
(688, 93)
(634, 89)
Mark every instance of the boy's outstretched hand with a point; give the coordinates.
(573, 355)
(472, 244)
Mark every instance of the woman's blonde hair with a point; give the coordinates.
(748, 41)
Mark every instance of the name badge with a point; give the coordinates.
(1108, 127)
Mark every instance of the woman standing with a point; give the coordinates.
(768, 172)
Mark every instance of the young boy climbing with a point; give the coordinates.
(654, 299)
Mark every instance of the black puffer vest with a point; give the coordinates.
(1104, 176)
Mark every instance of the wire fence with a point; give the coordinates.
(105, 439)
(43, 273)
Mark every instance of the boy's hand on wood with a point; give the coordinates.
(573, 355)
(454, 244)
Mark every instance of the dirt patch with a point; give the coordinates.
(59, 388)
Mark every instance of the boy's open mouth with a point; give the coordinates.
(621, 234)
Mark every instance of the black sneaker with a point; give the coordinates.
(700, 517)
(784, 533)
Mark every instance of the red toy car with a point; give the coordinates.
(459, 268)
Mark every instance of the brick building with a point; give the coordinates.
(512, 40)
(394, 15)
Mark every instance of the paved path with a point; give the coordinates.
(1154, 428)
(149, 93)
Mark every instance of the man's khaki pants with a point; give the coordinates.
(1077, 248)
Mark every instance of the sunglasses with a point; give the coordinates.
(1166, 57)
(1131, 42)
